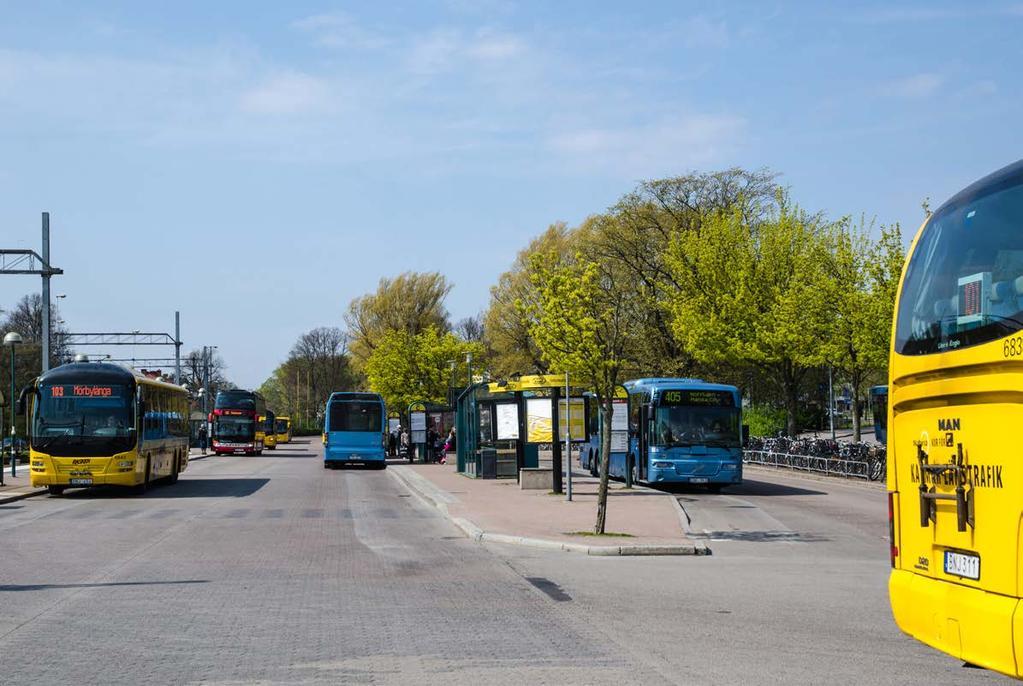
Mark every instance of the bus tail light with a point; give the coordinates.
(893, 551)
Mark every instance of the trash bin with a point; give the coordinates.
(488, 463)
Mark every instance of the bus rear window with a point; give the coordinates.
(356, 416)
(964, 284)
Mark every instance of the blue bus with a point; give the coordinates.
(682, 431)
(354, 430)
(879, 408)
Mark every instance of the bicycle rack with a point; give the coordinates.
(929, 496)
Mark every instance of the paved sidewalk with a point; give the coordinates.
(496, 510)
(17, 487)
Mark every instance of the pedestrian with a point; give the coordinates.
(403, 442)
(202, 437)
(432, 443)
(450, 444)
(392, 443)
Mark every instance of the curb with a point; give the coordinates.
(879, 485)
(475, 533)
(21, 496)
(685, 521)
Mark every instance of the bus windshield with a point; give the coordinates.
(356, 416)
(964, 284)
(77, 419)
(234, 429)
(682, 425)
(282, 426)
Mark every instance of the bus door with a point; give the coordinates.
(646, 430)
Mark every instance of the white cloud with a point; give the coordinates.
(286, 93)
(435, 52)
(339, 30)
(491, 45)
(647, 150)
(917, 86)
(704, 33)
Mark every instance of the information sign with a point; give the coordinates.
(508, 421)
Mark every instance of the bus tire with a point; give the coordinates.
(594, 468)
(174, 469)
(56, 490)
(715, 488)
(380, 465)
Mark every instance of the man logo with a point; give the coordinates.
(948, 424)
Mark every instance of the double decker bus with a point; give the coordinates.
(102, 424)
(682, 431)
(955, 481)
(283, 429)
(235, 422)
(355, 430)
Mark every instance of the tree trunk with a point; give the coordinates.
(606, 408)
(856, 416)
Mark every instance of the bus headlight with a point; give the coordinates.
(729, 466)
(126, 463)
(662, 465)
(38, 463)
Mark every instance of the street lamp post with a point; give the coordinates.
(12, 339)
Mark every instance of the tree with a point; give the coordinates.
(585, 320)
(199, 371)
(317, 365)
(755, 293)
(864, 278)
(406, 367)
(26, 318)
(637, 231)
(411, 302)
(506, 323)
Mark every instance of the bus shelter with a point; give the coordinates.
(429, 422)
(502, 426)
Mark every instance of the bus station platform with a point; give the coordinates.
(647, 521)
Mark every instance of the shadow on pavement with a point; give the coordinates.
(43, 587)
(185, 488)
(747, 487)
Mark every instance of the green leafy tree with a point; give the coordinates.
(636, 233)
(411, 302)
(584, 321)
(864, 278)
(406, 367)
(506, 324)
(755, 292)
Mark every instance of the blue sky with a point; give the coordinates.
(258, 165)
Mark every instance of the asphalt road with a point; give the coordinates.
(273, 570)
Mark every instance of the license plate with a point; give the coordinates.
(354, 457)
(81, 482)
(962, 565)
(698, 480)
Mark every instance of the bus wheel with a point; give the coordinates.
(715, 488)
(56, 490)
(174, 469)
(381, 465)
(594, 469)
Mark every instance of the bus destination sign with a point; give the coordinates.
(84, 391)
(697, 398)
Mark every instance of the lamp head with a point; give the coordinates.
(12, 338)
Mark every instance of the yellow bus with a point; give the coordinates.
(955, 489)
(102, 424)
(266, 429)
(283, 429)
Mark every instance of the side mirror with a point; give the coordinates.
(23, 397)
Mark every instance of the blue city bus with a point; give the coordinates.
(682, 431)
(589, 454)
(354, 430)
(879, 408)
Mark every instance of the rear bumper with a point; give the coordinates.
(355, 455)
(967, 623)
